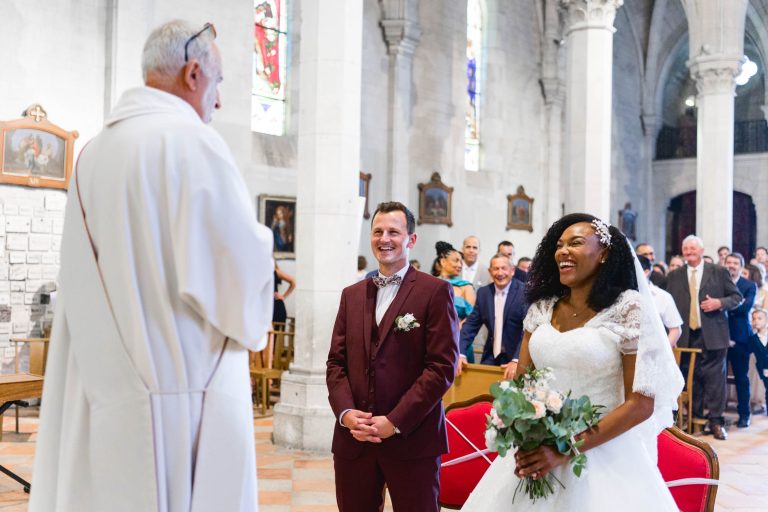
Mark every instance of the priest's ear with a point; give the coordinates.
(191, 75)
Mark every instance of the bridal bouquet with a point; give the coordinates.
(527, 414)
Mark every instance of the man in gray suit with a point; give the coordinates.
(703, 292)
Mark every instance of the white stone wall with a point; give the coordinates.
(511, 123)
(31, 224)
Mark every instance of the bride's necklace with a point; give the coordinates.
(577, 313)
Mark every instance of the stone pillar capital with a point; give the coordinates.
(715, 74)
(402, 36)
(650, 121)
(554, 90)
(590, 14)
(400, 25)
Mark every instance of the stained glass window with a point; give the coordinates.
(474, 85)
(269, 59)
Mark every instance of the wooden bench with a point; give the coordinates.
(15, 387)
(475, 379)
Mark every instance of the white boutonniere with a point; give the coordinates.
(406, 322)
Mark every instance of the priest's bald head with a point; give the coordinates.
(183, 60)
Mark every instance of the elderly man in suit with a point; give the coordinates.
(501, 308)
(392, 358)
(738, 326)
(703, 292)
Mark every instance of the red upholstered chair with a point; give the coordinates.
(466, 437)
(690, 468)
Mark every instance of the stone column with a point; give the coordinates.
(652, 223)
(554, 96)
(554, 92)
(589, 84)
(399, 23)
(328, 214)
(716, 39)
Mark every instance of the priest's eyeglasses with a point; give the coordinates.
(186, 45)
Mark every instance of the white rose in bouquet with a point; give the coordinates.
(554, 402)
(540, 409)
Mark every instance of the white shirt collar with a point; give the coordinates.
(400, 272)
(699, 268)
(504, 290)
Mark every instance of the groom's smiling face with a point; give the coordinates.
(390, 241)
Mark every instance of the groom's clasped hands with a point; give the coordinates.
(365, 427)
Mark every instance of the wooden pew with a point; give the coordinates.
(475, 379)
(18, 386)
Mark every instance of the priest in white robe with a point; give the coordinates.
(166, 283)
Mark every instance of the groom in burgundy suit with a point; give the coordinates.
(393, 356)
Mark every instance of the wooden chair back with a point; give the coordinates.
(690, 468)
(686, 396)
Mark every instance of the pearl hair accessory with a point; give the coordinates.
(601, 229)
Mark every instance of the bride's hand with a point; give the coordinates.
(537, 463)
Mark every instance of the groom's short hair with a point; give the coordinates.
(394, 206)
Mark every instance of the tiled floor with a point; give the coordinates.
(291, 481)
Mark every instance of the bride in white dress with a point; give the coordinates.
(603, 338)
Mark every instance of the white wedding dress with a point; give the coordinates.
(621, 474)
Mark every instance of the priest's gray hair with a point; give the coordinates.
(164, 50)
(694, 238)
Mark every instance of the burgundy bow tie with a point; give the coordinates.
(381, 281)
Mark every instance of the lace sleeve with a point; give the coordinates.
(624, 319)
(539, 312)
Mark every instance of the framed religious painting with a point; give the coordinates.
(36, 152)
(365, 183)
(435, 198)
(278, 213)
(520, 210)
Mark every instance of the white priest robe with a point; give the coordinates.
(147, 403)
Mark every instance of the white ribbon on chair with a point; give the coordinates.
(469, 456)
(692, 481)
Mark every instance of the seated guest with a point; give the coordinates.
(361, 264)
(665, 305)
(501, 308)
(447, 265)
(507, 248)
(660, 267)
(758, 345)
(657, 278)
(722, 253)
(756, 274)
(761, 256)
(472, 270)
(415, 264)
(524, 264)
(675, 262)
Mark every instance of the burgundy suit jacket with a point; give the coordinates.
(401, 375)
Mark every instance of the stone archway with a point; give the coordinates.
(681, 222)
